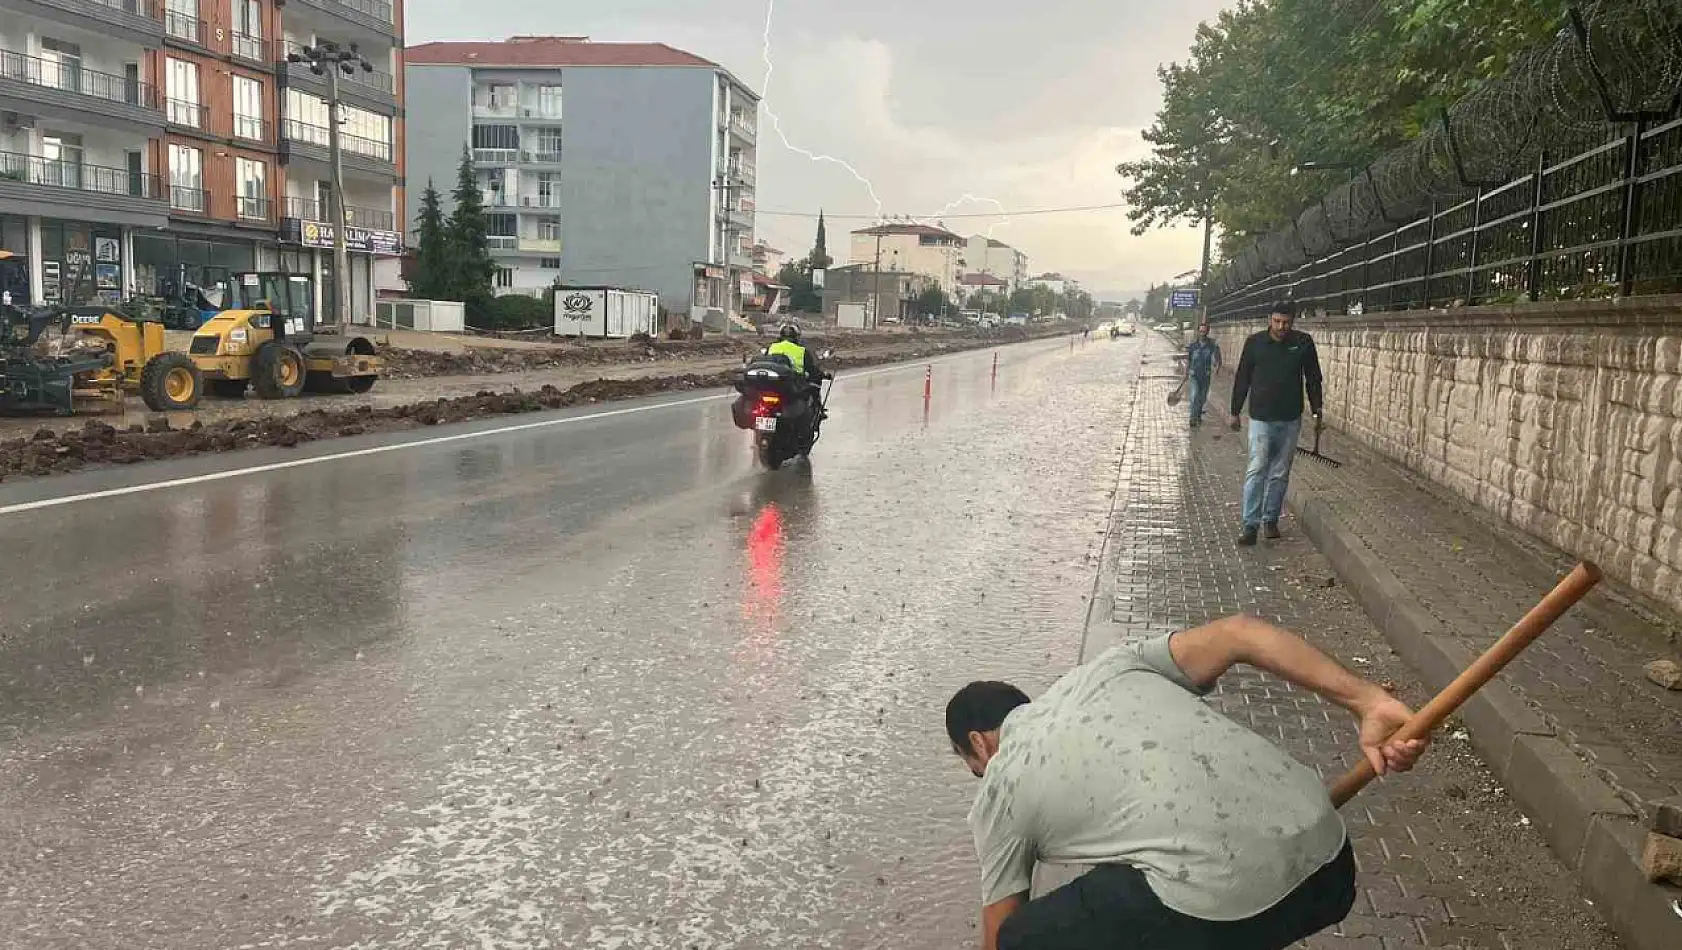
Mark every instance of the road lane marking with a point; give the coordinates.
(62, 500)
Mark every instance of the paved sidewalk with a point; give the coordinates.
(1446, 859)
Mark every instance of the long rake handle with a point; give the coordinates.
(1573, 588)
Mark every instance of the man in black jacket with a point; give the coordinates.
(1276, 365)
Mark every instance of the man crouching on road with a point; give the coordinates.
(1199, 834)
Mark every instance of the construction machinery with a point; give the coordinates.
(268, 340)
(166, 380)
(31, 380)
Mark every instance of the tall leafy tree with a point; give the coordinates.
(474, 270)
(1269, 84)
(433, 271)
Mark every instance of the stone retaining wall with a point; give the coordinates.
(1564, 419)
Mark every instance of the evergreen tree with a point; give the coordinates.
(820, 259)
(432, 271)
(473, 271)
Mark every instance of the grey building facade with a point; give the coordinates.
(602, 164)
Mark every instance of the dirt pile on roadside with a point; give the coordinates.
(50, 452)
(480, 361)
(97, 443)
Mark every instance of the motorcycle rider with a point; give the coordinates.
(804, 361)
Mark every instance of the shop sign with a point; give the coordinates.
(319, 234)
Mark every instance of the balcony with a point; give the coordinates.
(495, 110)
(251, 49)
(540, 245)
(502, 242)
(301, 141)
(32, 185)
(496, 156)
(194, 201)
(30, 85)
(184, 114)
(136, 21)
(372, 16)
(541, 156)
(307, 209)
(541, 202)
(254, 209)
(744, 175)
(374, 91)
(181, 26)
(743, 129)
(251, 128)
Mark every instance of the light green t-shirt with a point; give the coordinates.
(1121, 762)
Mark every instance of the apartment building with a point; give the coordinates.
(143, 144)
(987, 255)
(931, 251)
(645, 179)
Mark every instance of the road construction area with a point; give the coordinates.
(432, 379)
(587, 679)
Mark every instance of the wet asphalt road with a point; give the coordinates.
(593, 683)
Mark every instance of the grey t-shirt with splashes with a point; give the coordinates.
(1121, 762)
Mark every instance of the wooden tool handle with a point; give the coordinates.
(1570, 590)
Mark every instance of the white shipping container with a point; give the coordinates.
(434, 316)
(606, 313)
(850, 316)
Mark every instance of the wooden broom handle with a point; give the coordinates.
(1570, 590)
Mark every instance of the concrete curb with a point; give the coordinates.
(1590, 829)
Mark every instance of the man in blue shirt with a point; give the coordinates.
(1203, 357)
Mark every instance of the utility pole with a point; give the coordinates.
(724, 232)
(327, 58)
(876, 304)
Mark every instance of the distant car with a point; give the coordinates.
(1165, 328)
(1126, 329)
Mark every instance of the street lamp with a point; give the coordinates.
(327, 58)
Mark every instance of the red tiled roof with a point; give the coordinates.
(921, 230)
(551, 51)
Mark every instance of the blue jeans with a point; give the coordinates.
(1199, 395)
(1272, 447)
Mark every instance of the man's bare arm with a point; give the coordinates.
(993, 917)
(1205, 653)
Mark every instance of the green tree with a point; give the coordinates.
(802, 296)
(820, 259)
(1269, 84)
(932, 303)
(473, 268)
(432, 270)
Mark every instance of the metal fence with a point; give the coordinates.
(1601, 223)
(1514, 193)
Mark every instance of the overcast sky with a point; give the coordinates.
(1030, 103)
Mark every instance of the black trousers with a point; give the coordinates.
(1113, 908)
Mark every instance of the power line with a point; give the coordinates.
(943, 217)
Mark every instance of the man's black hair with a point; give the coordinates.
(980, 707)
(1286, 308)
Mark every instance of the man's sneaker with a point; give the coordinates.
(1272, 530)
(1248, 538)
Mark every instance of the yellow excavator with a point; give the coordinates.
(267, 340)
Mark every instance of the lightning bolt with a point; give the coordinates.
(777, 126)
(777, 122)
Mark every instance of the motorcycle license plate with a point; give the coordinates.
(765, 423)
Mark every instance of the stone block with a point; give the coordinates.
(1668, 674)
(1667, 817)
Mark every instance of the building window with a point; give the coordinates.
(549, 263)
(306, 118)
(248, 108)
(496, 136)
(62, 152)
(548, 146)
(548, 190)
(61, 64)
(366, 133)
(248, 30)
(504, 277)
(549, 101)
(181, 19)
(548, 230)
(182, 89)
(186, 178)
(253, 190)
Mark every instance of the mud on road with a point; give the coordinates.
(432, 388)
